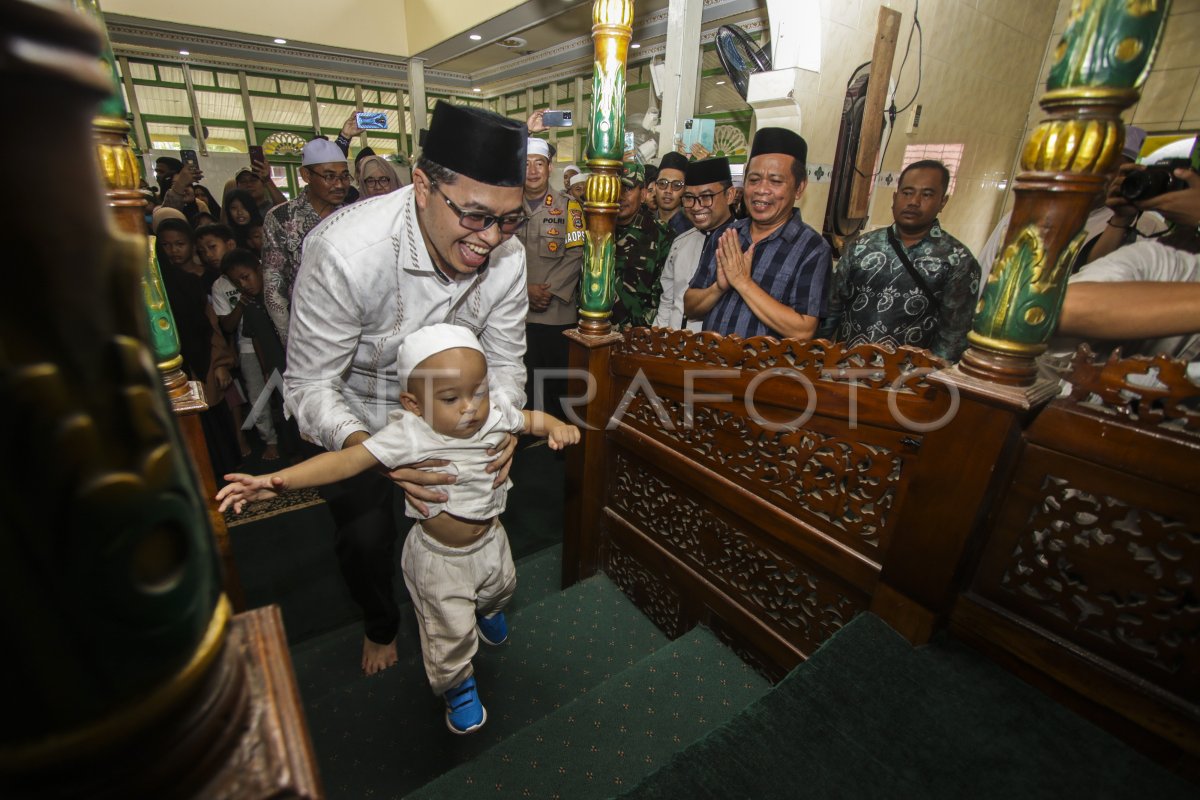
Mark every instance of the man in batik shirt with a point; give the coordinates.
(642, 244)
(910, 283)
(324, 168)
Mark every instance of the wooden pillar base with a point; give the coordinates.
(240, 735)
(586, 464)
(595, 327)
(1002, 368)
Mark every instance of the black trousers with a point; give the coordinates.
(546, 348)
(364, 510)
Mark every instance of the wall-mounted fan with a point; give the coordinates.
(740, 56)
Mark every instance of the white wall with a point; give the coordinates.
(978, 75)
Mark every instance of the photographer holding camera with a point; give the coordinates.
(1145, 297)
(1131, 192)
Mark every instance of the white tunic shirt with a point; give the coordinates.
(365, 283)
(677, 273)
(408, 439)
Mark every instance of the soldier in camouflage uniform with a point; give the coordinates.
(642, 243)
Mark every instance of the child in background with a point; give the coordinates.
(253, 238)
(456, 561)
(244, 271)
(242, 215)
(213, 243)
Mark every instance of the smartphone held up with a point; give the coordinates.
(557, 119)
(371, 120)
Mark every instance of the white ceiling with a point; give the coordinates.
(556, 34)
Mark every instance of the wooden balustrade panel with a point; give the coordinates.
(1090, 574)
(754, 485)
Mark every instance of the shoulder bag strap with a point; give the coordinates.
(912, 271)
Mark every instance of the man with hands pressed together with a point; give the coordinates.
(766, 275)
(437, 251)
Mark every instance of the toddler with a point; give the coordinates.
(456, 561)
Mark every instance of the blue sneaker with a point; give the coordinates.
(464, 713)
(494, 629)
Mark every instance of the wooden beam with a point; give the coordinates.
(887, 30)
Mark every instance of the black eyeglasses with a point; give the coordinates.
(663, 183)
(705, 200)
(478, 221)
(377, 183)
(333, 177)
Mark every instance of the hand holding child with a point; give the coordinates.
(243, 489)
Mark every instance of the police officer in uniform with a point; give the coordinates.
(553, 242)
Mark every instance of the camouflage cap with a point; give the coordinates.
(634, 174)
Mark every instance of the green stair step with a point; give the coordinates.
(385, 736)
(330, 661)
(622, 730)
(870, 716)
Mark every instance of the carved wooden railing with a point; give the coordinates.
(1063, 538)
(768, 513)
(1088, 579)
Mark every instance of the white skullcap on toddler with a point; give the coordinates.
(580, 178)
(425, 342)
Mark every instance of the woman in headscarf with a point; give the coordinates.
(376, 176)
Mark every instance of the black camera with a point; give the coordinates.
(1154, 180)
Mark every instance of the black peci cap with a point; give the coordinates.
(673, 161)
(779, 140)
(710, 170)
(480, 144)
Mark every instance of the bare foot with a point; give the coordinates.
(270, 453)
(378, 657)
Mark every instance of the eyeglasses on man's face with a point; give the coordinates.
(705, 200)
(478, 221)
(333, 177)
(663, 183)
(377, 183)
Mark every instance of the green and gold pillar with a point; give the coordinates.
(611, 31)
(114, 620)
(121, 172)
(1102, 59)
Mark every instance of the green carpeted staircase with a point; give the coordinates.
(587, 694)
(870, 716)
(589, 700)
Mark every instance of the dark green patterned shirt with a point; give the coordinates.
(641, 251)
(874, 299)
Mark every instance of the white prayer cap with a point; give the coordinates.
(580, 178)
(538, 147)
(322, 151)
(425, 342)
